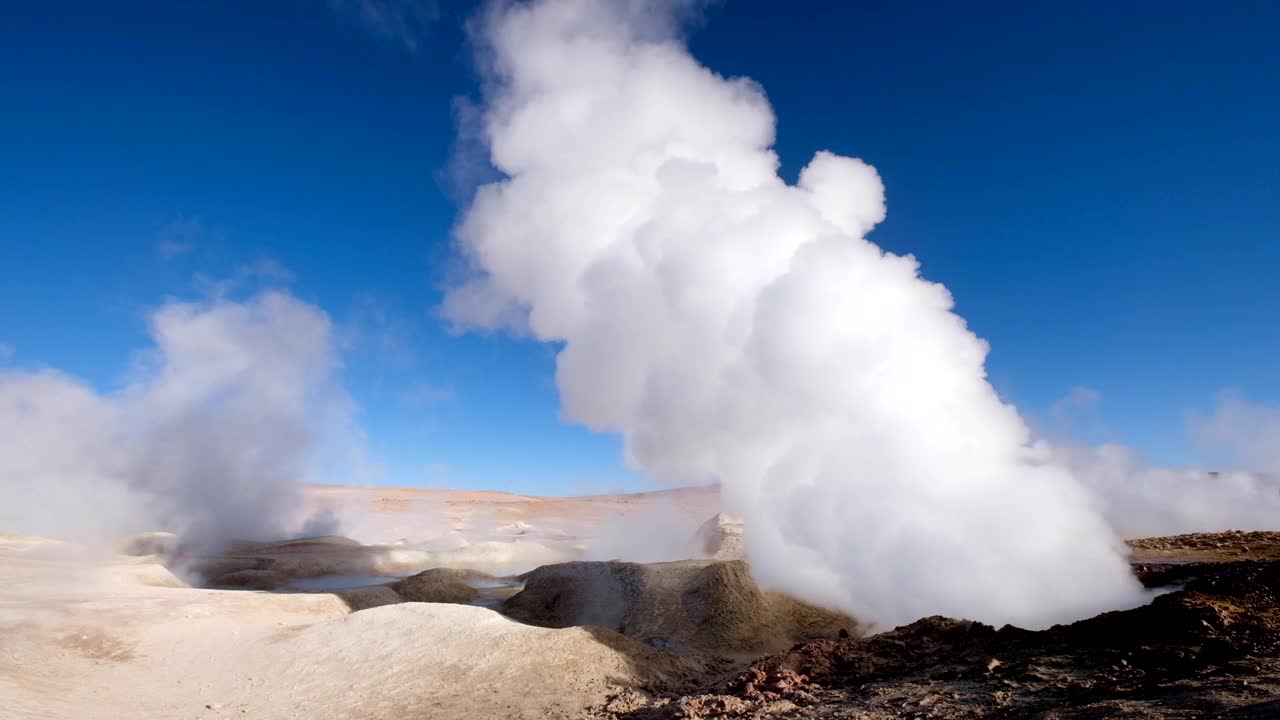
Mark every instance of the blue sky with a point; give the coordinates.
(1097, 183)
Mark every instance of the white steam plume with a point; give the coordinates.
(1249, 433)
(209, 440)
(1240, 492)
(736, 328)
(1139, 500)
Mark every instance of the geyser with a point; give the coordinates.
(736, 328)
(209, 439)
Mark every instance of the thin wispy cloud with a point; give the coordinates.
(405, 23)
(424, 394)
(169, 249)
(6, 351)
(1080, 399)
(261, 273)
(1246, 434)
(372, 326)
(180, 236)
(1077, 417)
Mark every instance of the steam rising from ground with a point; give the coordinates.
(1243, 494)
(1248, 433)
(730, 326)
(209, 439)
(1143, 501)
(736, 328)
(657, 533)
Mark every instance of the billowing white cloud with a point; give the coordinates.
(736, 328)
(1141, 500)
(218, 424)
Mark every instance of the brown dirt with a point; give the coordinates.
(693, 605)
(1208, 648)
(1205, 547)
(444, 585)
(98, 644)
(251, 580)
(369, 597)
(129, 639)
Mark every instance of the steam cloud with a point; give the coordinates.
(1143, 501)
(208, 440)
(1140, 500)
(736, 328)
(730, 326)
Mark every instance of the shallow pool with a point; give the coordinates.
(328, 583)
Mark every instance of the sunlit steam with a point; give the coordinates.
(736, 328)
(209, 439)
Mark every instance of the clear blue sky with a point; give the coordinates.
(1098, 183)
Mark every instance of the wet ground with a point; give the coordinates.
(329, 583)
(491, 593)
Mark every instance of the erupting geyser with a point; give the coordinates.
(220, 421)
(736, 328)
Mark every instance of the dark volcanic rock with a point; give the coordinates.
(1211, 649)
(364, 598)
(251, 580)
(441, 585)
(704, 605)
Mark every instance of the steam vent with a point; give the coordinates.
(639, 360)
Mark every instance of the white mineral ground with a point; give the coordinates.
(122, 637)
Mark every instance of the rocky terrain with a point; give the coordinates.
(399, 624)
(481, 605)
(710, 607)
(1208, 646)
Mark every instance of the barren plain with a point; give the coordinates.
(451, 604)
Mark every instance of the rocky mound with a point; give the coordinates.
(304, 558)
(151, 543)
(250, 579)
(1211, 649)
(299, 545)
(363, 598)
(701, 605)
(442, 585)
(721, 537)
(335, 556)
